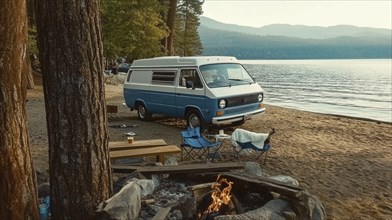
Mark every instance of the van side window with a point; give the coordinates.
(190, 75)
(129, 75)
(163, 78)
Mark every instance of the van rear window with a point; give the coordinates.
(129, 75)
(163, 77)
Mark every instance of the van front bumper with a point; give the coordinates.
(223, 120)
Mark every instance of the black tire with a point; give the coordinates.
(194, 120)
(143, 113)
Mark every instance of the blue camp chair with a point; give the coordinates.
(251, 144)
(196, 146)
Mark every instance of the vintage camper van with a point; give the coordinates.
(204, 90)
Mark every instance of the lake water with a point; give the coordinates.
(357, 88)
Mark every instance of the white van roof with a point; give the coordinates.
(176, 61)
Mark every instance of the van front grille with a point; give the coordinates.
(241, 109)
(242, 100)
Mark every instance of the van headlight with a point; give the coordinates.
(222, 103)
(260, 97)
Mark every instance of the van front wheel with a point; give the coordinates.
(193, 119)
(143, 113)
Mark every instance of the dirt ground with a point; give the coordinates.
(346, 162)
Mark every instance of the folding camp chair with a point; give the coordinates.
(196, 146)
(251, 143)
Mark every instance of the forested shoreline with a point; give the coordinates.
(246, 46)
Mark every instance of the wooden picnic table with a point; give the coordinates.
(122, 145)
(142, 148)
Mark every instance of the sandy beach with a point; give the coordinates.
(346, 162)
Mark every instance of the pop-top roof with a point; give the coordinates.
(175, 61)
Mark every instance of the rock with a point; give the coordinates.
(317, 210)
(187, 206)
(156, 179)
(285, 179)
(273, 210)
(171, 161)
(176, 215)
(289, 215)
(125, 204)
(153, 209)
(310, 208)
(146, 186)
(253, 168)
(120, 180)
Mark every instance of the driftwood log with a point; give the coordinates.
(183, 168)
(237, 204)
(162, 213)
(264, 184)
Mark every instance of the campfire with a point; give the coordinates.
(221, 199)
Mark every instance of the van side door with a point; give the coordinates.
(190, 91)
(162, 92)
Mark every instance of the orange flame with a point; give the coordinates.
(219, 196)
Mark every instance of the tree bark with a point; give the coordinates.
(31, 23)
(30, 12)
(169, 16)
(28, 73)
(170, 24)
(69, 40)
(18, 187)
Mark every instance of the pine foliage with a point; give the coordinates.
(132, 28)
(186, 39)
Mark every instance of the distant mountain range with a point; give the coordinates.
(283, 41)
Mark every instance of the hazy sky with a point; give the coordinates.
(259, 13)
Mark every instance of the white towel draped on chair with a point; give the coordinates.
(243, 136)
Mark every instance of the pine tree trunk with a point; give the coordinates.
(30, 12)
(18, 187)
(164, 15)
(28, 73)
(170, 16)
(69, 40)
(170, 23)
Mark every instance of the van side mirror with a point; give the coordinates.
(190, 84)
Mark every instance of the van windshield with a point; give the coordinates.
(225, 74)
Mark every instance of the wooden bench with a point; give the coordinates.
(142, 148)
(158, 151)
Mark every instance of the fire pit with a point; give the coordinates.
(229, 195)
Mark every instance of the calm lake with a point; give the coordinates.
(357, 88)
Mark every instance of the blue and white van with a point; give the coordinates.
(204, 90)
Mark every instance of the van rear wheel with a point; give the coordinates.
(193, 119)
(143, 113)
